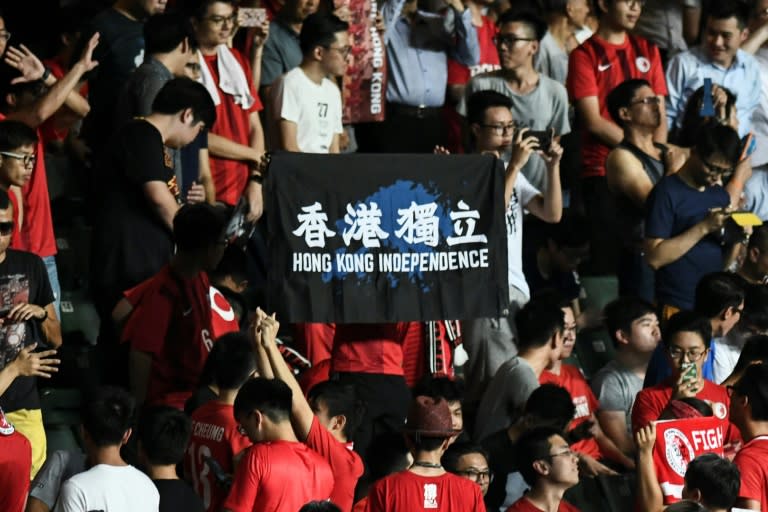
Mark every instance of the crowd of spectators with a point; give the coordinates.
(632, 136)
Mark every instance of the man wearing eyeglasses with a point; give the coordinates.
(684, 215)
(305, 103)
(550, 467)
(539, 103)
(720, 59)
(687, 339)
(470, 461)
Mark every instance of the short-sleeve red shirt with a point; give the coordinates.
(408, 491)
(232, 122)
(524, 505)
(214, 435)
(650, 402)
(751, 461)
(279, 476)
(369, 348)
(15, 464)
(595, 68)
(459, 74)
(346, 464)
(584, 400)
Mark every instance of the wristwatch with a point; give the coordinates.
(46, 74)
(257, 177)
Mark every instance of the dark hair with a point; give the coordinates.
(717, 292)
(622, 95)
(754, 385)
(551, 406)
(164, 433)
(755, 349)
(536, 324)
(759, 238)
(531, 446)
(14, 134)
(725, 9)
(341, 400)
(572, 231)
(107, 415)
(164, 32)
(620, 313)
(554, 7)
(692, 119)
(452, 390)
(688, 321)
(717, 479)
(199, 8)
(182, 93)
(755, 314)
(423, 443)
(533, 22)
(271, 397)
(320, 506)
(198, 226)
(450, 459)
(717, 139)
(481, 101)
(387, 454)
(234, 263)
(686, 506)
(234, 361)
(319, 29)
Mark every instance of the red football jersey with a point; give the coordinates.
(369, 348)
(459, 74)
(754, 474)
(231, 176)
(651, 401)
(523, 505)
(279, 476)
(408, 491)
(584, 400)
(15, 467)
(595, 68)
(214, 436)
(346, 464)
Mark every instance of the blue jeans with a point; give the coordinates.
(53, 278)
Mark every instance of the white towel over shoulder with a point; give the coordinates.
(232, 79)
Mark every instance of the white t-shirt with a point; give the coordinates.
(727, 352)
(316, 109)
(110, 489)
(522, 194)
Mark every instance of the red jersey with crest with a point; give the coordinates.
(176, 321)
(584, 400)
(408, 491)
(459, 74)
(595, 68)
(232, 122)
(751, 461)
(214, 436)
(279, 476)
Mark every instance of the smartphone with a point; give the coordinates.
(707, 104)
(251, 16)
(689, 372)
(543, 137)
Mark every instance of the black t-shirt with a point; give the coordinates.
(131, 241)
(176, 495)
(503, 462)
(22, 279)
(119, 52)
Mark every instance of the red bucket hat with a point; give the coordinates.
(430, 417)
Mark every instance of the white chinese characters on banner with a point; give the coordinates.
(364, 225)
(312, 225)
(464, 226)
(419, 224)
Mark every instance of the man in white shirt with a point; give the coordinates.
(306, 105)
(111, 485)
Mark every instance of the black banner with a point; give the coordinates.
(383, 238)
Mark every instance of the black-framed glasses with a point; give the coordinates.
(509, 41)
(711, 168)
(501, 129)
(24, 157)
(6, 228)
(193, 66)
(476, 475)
(219, 20)
(344, 51)
(241, 430)
(5, 35)
(650, 100)
(567, 451)
(692, 355)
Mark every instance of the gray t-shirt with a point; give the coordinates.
(505, 397)
(551, 59)
(281, 52)
(541, 109)
(616, 388)
(59, 467)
